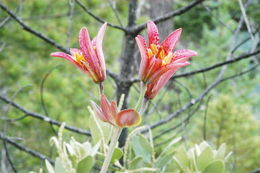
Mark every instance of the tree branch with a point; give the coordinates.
(169, 15)
(98, 18)
(202, 95)
(25, 149)
(245, 56)
(29, 29)
(43, 117)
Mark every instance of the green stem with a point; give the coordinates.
(141, 96)
(143, 107)
(111, 149)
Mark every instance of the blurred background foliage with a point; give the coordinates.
(232, 110)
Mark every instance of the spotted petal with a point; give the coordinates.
(153, 33)
(171, 40)
(182, 53)
(87, 49)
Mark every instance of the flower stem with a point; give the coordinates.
(141, 96)
(101, 88)
(111, 149)
(143, 107)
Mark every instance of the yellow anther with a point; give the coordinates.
(150, 53)
(167, 59)
(154, 48)
(162, 54)
(79, 58)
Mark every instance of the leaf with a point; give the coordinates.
(217, 166)
(163, 161)
(58, 166)
(205, 158)
(49, 167)
(137, 162)
(96, 132)
(85, 165)
(182, 158)
(142, 147)
(118, 153)
(221, 151)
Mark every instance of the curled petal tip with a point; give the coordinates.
(83, 29)
(194, 53)
(179, 29)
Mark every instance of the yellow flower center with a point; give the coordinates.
(79, 58)
(153, 50)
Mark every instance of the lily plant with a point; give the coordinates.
(159, 62)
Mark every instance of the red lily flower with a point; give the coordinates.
(158, 60)
(108, 112)
(89, 58)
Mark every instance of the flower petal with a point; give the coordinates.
(75, 50)
(154, 64)
(143, 51)
(87, 49)
(182, 53)
(154, 87)
(128, 118)
(153, 33)
(99, 41)
(98, 111)
(69, 58)
(108, 110)
(171, 40)
(175, 66)
(63, 55)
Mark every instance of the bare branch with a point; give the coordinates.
(34, 32)
(169, 15)
(98, 18)
(71, 12)
(25, 149)
(202, 95)
(8, 157)
(217, 65)
(43, 117)
(113, 7)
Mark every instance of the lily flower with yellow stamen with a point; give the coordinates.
(159, 61)
(89, 58)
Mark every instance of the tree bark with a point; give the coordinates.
(127, 63)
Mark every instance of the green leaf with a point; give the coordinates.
(182, 158)
(142, 147)
(137, 162)
(118, 153)
(221, 151)
(58, 166)
(96, 132)
(85, 165)
(205, 158)
(49, 167)
(163, 161)
(217, 166)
